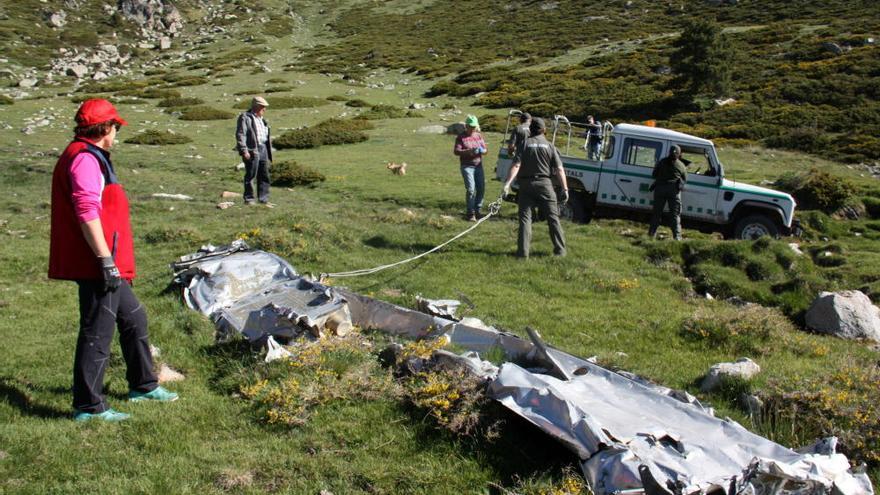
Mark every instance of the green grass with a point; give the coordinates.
(628, 301)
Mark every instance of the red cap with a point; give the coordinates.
(96, 111)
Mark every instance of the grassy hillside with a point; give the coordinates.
(634, 303)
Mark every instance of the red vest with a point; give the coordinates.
(70, 257)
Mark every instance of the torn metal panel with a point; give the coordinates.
(631, 436)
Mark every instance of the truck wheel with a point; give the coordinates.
(754, 226)
(577, 209)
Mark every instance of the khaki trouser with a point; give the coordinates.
(667, 192)
(540, 193)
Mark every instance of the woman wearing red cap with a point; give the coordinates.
(91, 244)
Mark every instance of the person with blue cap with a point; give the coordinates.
(470, 148)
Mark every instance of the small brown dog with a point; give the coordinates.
(397, 168)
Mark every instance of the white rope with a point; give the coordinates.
(494, 208)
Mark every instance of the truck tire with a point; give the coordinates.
(578, 209)
(753, 226)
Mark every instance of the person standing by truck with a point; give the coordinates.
(470, 148)
(91, 243)
(594, 138)
(535, 165)
(519, 134)
(670, 176)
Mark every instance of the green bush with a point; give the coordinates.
(872, 206)
(205, 113)
(5, 100)
(158, 138)
(356, 103)
(279, 102)
(179, 102)
(493, 123)
(333, 131)
(379, 112)
(289, 173)
(818, 189)
(150, 93)
(750, 329)
(337, 98)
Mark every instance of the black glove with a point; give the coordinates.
(112, 278)
(563, 197)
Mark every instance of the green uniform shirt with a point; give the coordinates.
(670, 170)
(538, 158)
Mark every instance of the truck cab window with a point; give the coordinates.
(697, 160)
(641, 152)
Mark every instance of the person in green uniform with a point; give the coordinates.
(670, 176)
(534, 165)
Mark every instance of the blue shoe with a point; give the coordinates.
(109, 415)
(159, 394)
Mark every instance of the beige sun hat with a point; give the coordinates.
(259, 100)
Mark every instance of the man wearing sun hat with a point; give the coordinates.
(253, 140)
(91, 243)
(470, 148)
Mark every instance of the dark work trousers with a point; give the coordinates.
(99, 313)
(538, 192)
(257, 168)
(666, 193)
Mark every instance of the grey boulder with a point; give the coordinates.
(743, 368)
(848, 314)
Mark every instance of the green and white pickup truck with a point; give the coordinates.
(620, 180)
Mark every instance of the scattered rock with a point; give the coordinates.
(164, 43)
(225, 204)
(229, 195)
(796, 248)
(27, 83)
(3, 455)
(240, 166)
(58, 19)
(77, 70)
(725, 101)
(155, 351)
(848, 314)
(168, 374)
(182, 197)
(743, 368)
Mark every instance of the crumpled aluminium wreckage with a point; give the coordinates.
(630, 436)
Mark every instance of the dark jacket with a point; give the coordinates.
(670, 170)
(246, 134)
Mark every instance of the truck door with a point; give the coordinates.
(632, 175)
(700, 197)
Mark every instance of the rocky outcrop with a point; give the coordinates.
(848, 314)
(156, 18)
(743, 368)
(97, 63)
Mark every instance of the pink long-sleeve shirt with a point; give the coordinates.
(87, 184)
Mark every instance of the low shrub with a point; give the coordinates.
(333, 131)
(289, 173)
(841, 404)
(279, 102)
(872, 206)
(337, 98)
(152, 93)
(818, 189)
(180, 102)
(6, 100)
(158, 138)
(356, 103)
(379, 112)
(493, 123)
(751, 329)
(205, 113)
(188, 81)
